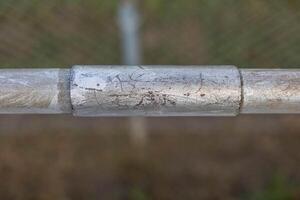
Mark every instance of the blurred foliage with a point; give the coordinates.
(246, 33)
(70, 165)
(59, 157)
(57, 33)
(250, 33)
(137, 194)
(278, 189)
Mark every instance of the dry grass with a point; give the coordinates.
(59, 157)
(67, 158)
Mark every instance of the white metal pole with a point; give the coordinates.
(129, 23)
(129, 27)
(150, 91)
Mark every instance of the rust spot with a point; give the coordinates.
(172, 102)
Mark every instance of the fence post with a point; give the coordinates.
(129, 22)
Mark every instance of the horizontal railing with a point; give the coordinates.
(150, 91)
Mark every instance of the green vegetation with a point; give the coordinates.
(278, 189)
(71, 165)
(251, 33)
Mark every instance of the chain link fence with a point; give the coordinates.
(62, 33)
(59, 157)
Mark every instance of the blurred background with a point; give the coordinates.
(62, 157)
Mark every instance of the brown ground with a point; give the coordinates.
(60, 157)
(67, 158)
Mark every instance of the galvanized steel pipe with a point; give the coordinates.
(150, 91)
(41, 91)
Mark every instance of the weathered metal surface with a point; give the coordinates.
(150, 91)
(155, 91)
(34, 91)
(271, 91)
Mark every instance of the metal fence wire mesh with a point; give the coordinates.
(250, 33)
(62, 157)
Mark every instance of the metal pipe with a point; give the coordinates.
(129, 23)
(150, 91)
(41, 91)
(153, 91)
(271, 91)
(129, 28)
